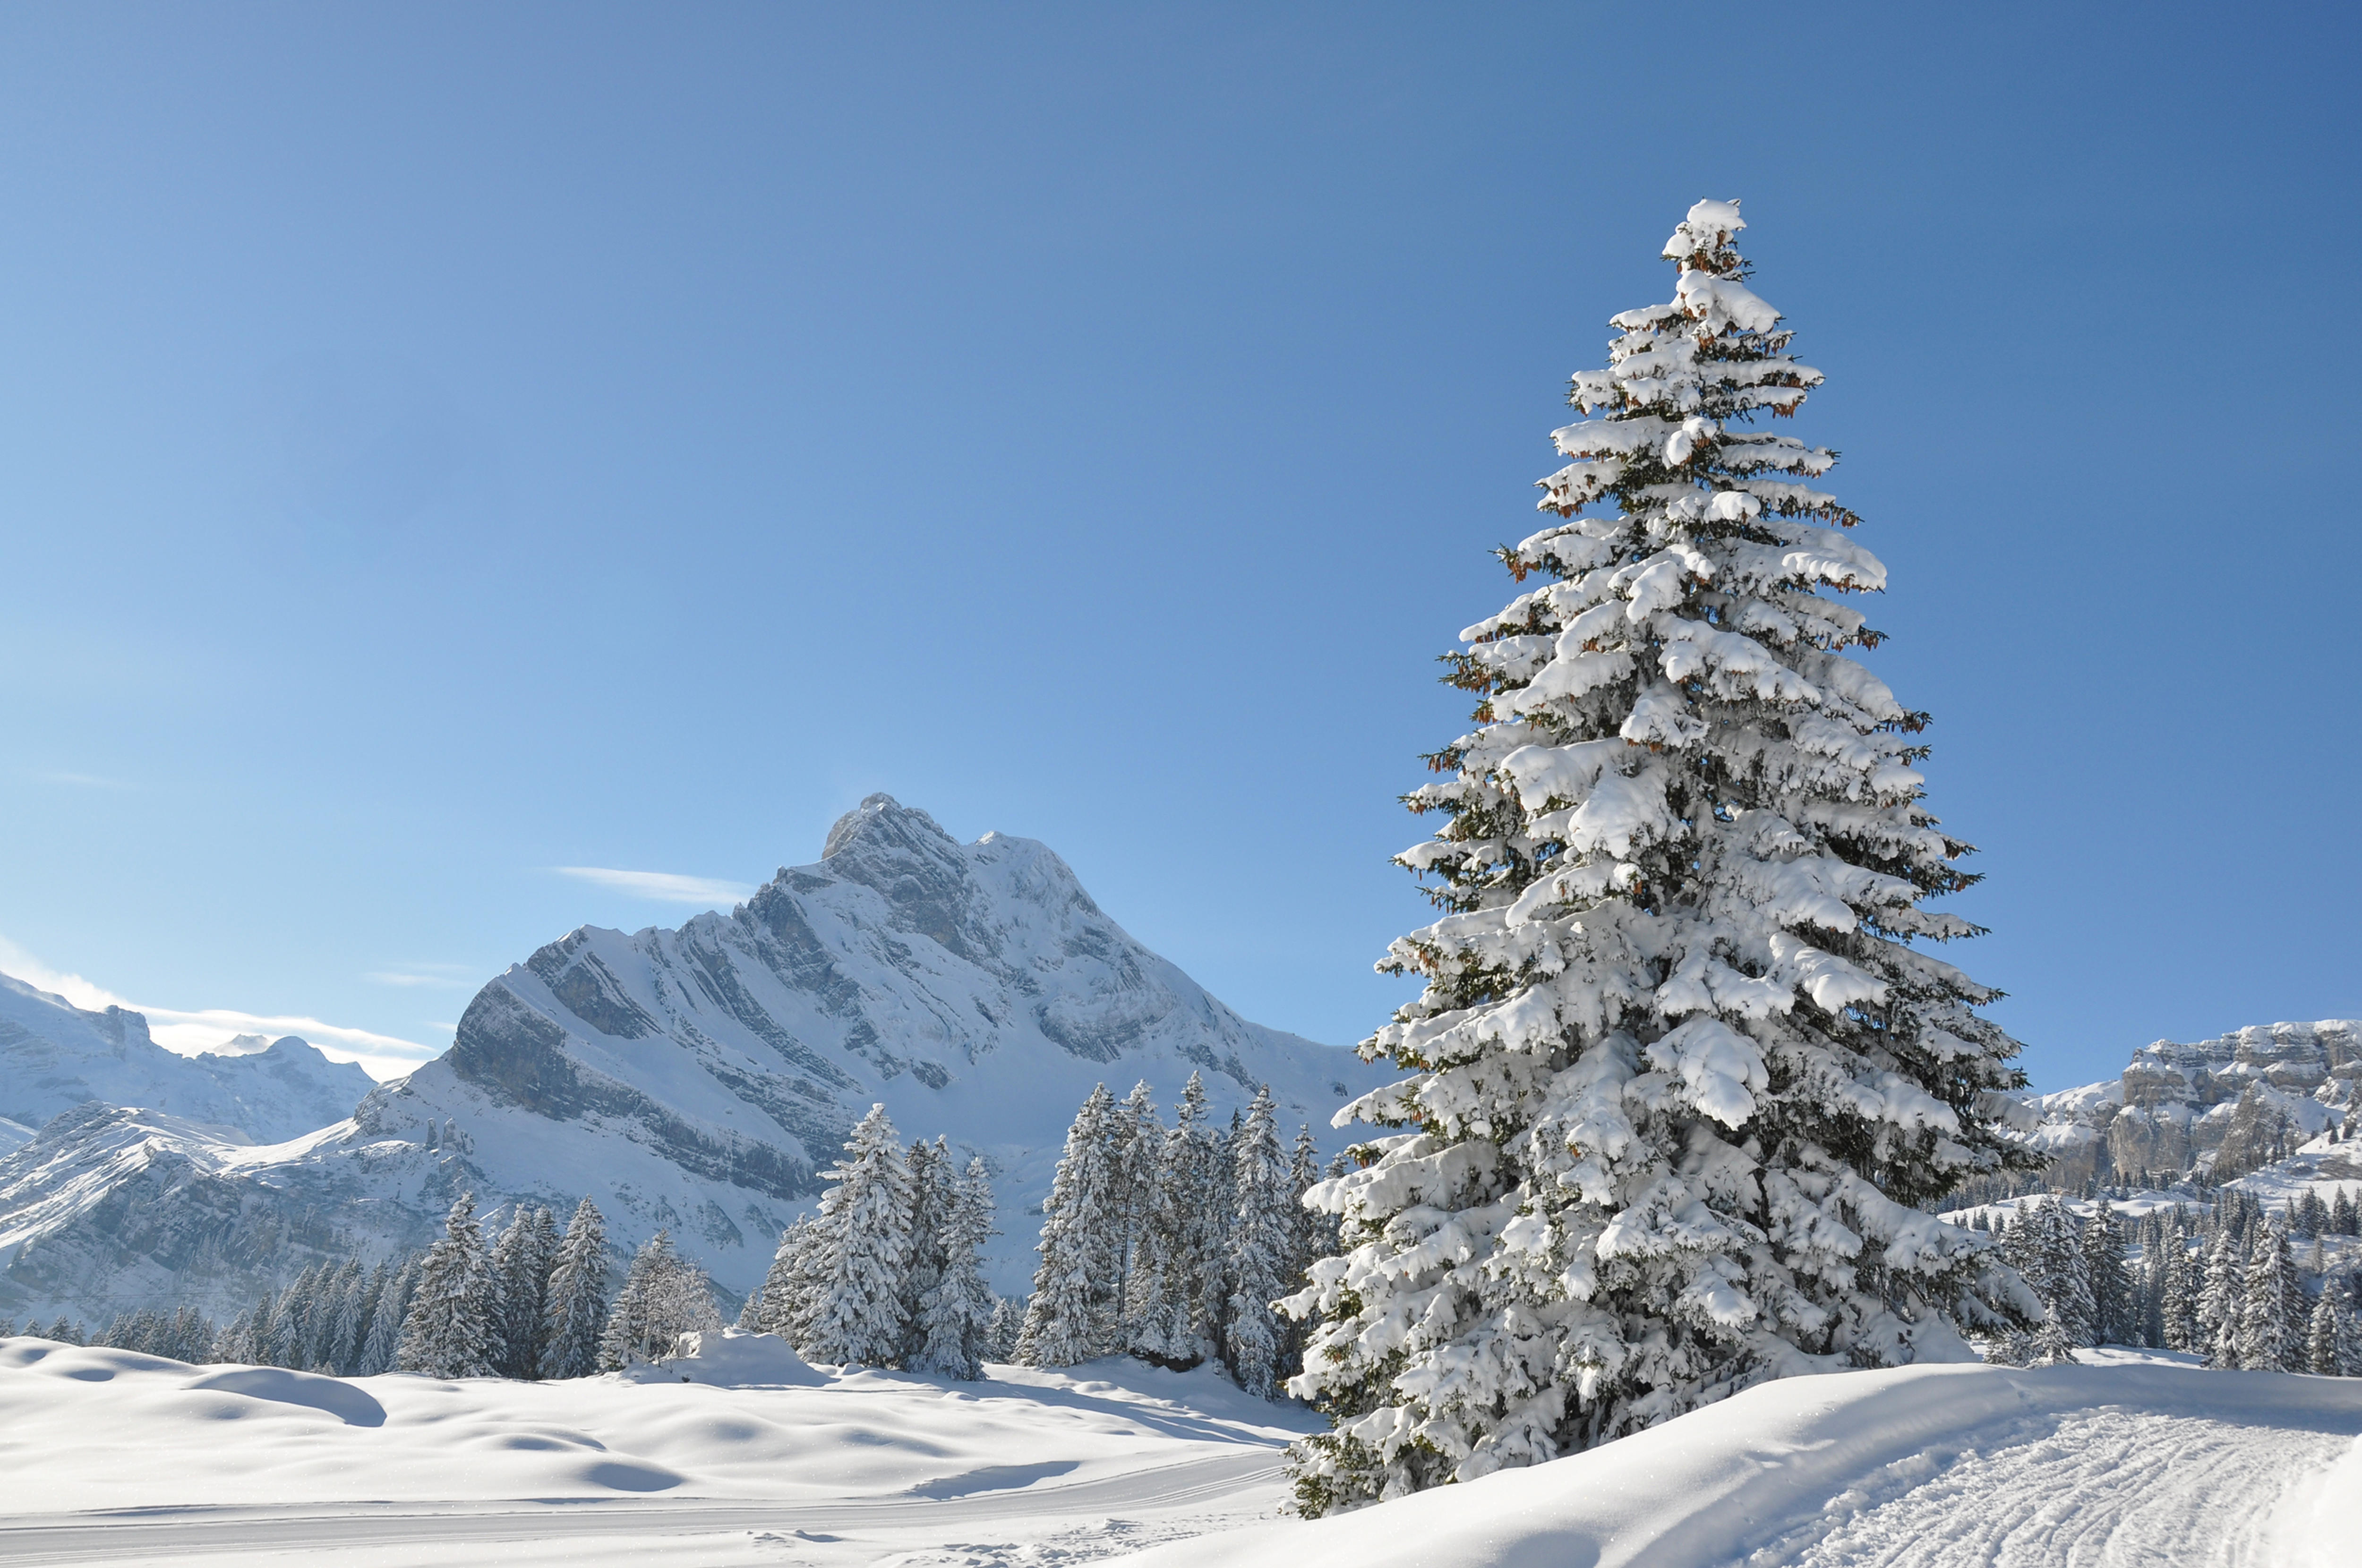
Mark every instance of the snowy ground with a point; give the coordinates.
(2135, 1460)
(117, 1458)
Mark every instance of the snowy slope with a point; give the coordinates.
(54, 1056)
(812, 1467)
(697, 1080)
(1917, 1467)
(1925, 1466)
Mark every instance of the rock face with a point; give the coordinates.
(2227, 1106)
(54, 1056)
(697, 1080)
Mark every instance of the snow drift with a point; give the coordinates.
(1773, 1473)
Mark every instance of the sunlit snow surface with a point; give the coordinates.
(118, 1458)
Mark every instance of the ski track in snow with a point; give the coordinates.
(2118, 1488)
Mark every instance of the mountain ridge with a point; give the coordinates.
(698, 1078)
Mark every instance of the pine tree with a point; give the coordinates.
(522, 1261)
(1000, 1338)
(790, 1290)
(1263, 1245)
(932, 1181)
(663, 1296)
(2053, 1344)
(577, 1297)
(2268, 1333)
(448, 1331)
(956, 1315)
(2115, 1319)
(1070, 1319)
(2321, 1339)
(2220, 1299)
(1176, 1286)
(1681, 1079)
(859, 1317)
(383, 1349)
(2185, 1279)
(1136, 1148)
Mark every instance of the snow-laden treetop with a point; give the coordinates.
(1682, 1070)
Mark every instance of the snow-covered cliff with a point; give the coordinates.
(695, 1079)
(54, 1056)
(2228, 1105)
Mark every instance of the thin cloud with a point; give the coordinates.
(662, 886)
(191, 1031)
(411, 976)
(85, 781)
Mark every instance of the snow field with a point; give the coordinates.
(2134, 1462)
(816, 1466)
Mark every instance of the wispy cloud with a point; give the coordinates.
(662, 886)
(437, 977)
(191, 1031)
(84, 780)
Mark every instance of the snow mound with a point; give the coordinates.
(732, 1358)
(1787, 1463)
(349, 1405)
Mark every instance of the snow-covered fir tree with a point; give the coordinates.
(956, 1314)
(1681, 1073)
(2115, 1317)
(1263, 1245)
(1008, 1321)
(1177, 1292)
(859, 1316)
(382, 1350)
(2185, 1278)
(932, 1181)
(448, 1332)
(2270, 1334)
(522, 1260)
(663, 1296)
(1136, 1151)
(1071, 1317)
(2221, 1299)
(782, 1305)
(575, 1306)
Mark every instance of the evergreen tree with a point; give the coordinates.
(2053, 1344)
(663, 1296)
(2115, 1311)
(383, 1349)
(1008, 1321)
(1136, 1148)
(1070, 1317)
(2220, 1299)
(956, 1314)
(1681, 1080)
(2269, 1335)
(1176, 1283)
(2184, 1280)
(1262, 1246)
(448, 1331)
(577, 1297)
(859, 1317)
(2321, 1339)
(790, 1291)
(521, 1262)
(932, 1183)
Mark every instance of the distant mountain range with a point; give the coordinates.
(54, 1056)
(2224, 1106)
(696, 1080)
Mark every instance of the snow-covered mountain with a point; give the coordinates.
(54, 1056)
(2224, 1104)
(695, 1079)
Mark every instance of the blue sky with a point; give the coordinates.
(440, 444)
